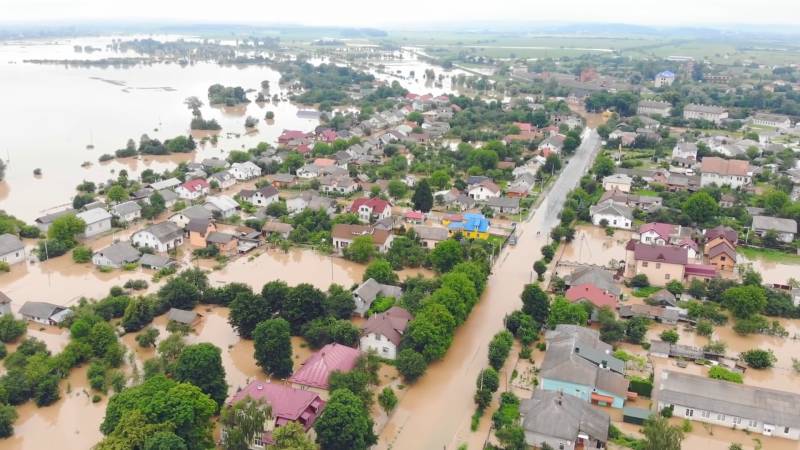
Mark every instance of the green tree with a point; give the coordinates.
(345, 423)
(291, 436)
(660, 435)
(603, 167)
(431, 331)
(138, 314)
(201, 365)
(636, 329)
(164, 440)
(339, 302)
(8, 415)
(701, 208)
(387, 399)
(540, 267)
(759, 359)
(117, 194)
(147, 338)
(273, 347)
(670, 336)
(499, 348)
(446, 255)
(66, 228)
(361, 250)
(535, 303)
(422, 198)
(243, 421)
(248, 310)
(397, 188)
(562, 311)
(381, 271)
(411, 365)
(179, 293)
(440, 179)
(744, 301)
(164, 401)
(303, 304)
(11, 329)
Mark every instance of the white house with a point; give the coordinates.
(224, 179)
(261, 197)
(226, 206)
(784, 229)
(730, 405)
(685, 150)
(44, 313)
(97, 220)
(193, 189)
(116, 255)
(772, 120)
(653, 108)
(665, 78)
(127, 212)
(484, 191)
(371, 208)
(245, 171)
(731, 172)
(310, 200)
(619, 181)
(616, 215)
(12, 250)
(714, 114)
(162, 237)
(383, 332)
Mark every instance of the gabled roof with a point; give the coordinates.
(591, 293)
(319, 366)
(94, 215)
(349, 232)
(196, 212)
(120, 253)
(727, 232)
(724, 167)
(722, 248)
(42, 310)
(663, 230)
(390, 324)
(724, 397)
(377, 205)
(287, 403)
(597, 276)
(775, 224)
(10, 243)
(613, 208)
(198, 225)
(660, 253)
(562, 416)
(369, 290)
(195, 185)
(431, 233)
(123, 209)
(164, 231)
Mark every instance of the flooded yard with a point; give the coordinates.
(593, 246)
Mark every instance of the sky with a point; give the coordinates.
(383, 13)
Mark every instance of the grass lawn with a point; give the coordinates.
(770, 255)
(647, 192)
(646, 291)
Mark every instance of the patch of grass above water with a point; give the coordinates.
(769, 254)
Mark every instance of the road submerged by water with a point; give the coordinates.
(435, 412)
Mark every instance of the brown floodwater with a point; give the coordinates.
(592, 246)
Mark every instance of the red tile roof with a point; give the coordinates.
(660, 253)
(287, 402)
(415, 215)
(731, 167)
(319, 366)
(592, 294)
(289, 135)
(195, 185)
(728, 233)
(378, 205)
(664, 230)
(700, 270)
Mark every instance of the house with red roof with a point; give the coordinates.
(313, 375)
(383, 332)
(193, 189)
(415, 217)
(660, 263)
(371, 208)
(288, 405)
(328, 135)
(590, 293)
(288, 136)
(657, 233)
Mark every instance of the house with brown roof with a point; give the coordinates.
(344, 234)
(660, 263)
(722, 255)
(484, 190)
(589, 293)
(725, 172)
(198, 230)
(383, 332)
(287, 405)
(315, 372)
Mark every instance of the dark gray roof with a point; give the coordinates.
(593, 275)
(164, 231)
(123, 209)
(749, 402)
(10, 243)
(370, 289)
(198, 225)
(39, 309)
(197, 212)
(120, 253)
(168, 195)
(562, 416)
(154, 261)
(431, 233)
(503, 202)
(612, 207)
(182, 316)
(215, 237)
(49, 218)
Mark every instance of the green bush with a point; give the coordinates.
(721, 373)
(641, 386)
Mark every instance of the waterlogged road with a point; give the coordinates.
(435, 412)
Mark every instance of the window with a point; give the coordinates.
(385, 349)
(753, 424)
(658, 265)
(785, 430)
(705, 414)
(644, 264)
(666, 277)
(737, 420)
(689, 412)
(721, 417)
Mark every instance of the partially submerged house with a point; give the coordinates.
(162, 237)
(382, 332)
(182, 316)
(116, 255)
(44, 313)
(313, 375)
(563, 422)
(97, 220)
(12, 250)
(368, 291)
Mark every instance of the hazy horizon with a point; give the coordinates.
(410, 13)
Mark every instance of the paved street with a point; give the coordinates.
(435, 412)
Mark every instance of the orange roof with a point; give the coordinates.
(734, 167)
(324, 162)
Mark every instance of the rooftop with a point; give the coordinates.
(316, 370)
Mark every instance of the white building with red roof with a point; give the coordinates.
(371, 208)
(193, 189)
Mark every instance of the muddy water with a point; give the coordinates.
(435, 412)
(771, 271)
(592, 246)
(105, 107)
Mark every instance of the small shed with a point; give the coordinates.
(182, 316)
(636, 416)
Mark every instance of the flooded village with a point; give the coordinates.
(363, 243)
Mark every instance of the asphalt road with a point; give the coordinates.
(435, 412)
